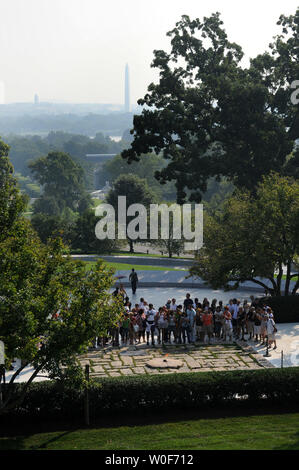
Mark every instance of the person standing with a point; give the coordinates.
(133, 278)
(218, 316)
(150, 324)
(173, 306)
(271, 330)
(234, 309)
(171, 326)
(198, 325)
(188, 302)
(250, 323)
(191, 314)
(207, 320)
(186, 330)
(257, 325)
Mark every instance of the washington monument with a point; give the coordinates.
(127, 90)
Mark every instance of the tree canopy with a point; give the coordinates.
(12, 203)
(135, 190)
(62, 181)
(209, 117)
(253, 239)
(51, 307)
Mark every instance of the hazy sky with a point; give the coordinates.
(76, 50)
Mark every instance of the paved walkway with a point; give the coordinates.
(136, 360)
(112, 362)
(287, 340)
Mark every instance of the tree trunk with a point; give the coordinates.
(279, 278)
(288, 278)
(131, 243)
(294, 291)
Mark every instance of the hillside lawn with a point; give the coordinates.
(256, 432)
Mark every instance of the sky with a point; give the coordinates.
(76, 50)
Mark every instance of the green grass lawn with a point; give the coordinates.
(127, 253)
(268, 432)
(128, 267)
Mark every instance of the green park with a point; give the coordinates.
(130, 343)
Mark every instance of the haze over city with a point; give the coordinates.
(76, 51)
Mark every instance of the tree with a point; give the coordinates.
(209, 117)
(252, 239)
(63, 183)
(51, 226)
(83, 235)
(135, 190)
(12, 203)
(169, 243)
(51, 308)
(146, 169)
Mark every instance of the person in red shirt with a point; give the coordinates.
(207, 322)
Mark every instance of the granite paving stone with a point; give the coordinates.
(131, 360)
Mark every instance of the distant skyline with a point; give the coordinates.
(75, 51)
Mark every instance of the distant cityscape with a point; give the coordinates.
(37, 106)
(39, 117)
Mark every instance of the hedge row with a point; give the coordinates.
(285, 308)
(172, 391)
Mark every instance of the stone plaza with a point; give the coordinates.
(141, 359)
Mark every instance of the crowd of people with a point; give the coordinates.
(193, 321)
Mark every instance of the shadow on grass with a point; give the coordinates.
(12, 443)
(50, 441)
(18, 443)
(14, 432)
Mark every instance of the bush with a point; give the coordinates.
(285, 308)
(195, 391)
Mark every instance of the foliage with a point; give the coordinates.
(12, 203)
(51, 226)
(285, 308)
(83, 235)
(253, 238)
(196, 391)
(62, 182)
(135, 190)
(167, 240)
(51, 308)
(145, 169)
(24, 149)
(81, 124)
(212, 118)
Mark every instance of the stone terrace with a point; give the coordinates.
(133, 360)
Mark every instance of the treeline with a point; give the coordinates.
(88, 124)
(25, 149)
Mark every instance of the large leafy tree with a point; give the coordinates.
(209, 117)
(253, 239)
(51, 308)
(136, 190)
(62, 180)
(12, 203)
(145, 169)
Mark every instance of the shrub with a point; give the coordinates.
(160, 392)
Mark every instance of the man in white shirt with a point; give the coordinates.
(150, 323)
(173, 305)
(191, 314)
